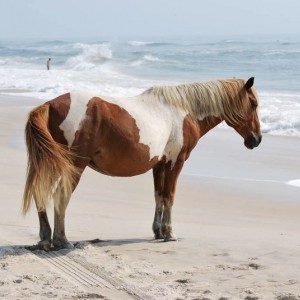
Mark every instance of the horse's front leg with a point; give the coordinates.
(167, 229)
(158, 176)
(171, 177)
(156, 227)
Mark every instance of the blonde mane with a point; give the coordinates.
(227, 98)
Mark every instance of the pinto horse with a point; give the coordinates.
(156, 130)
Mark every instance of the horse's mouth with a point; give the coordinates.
(252, 141)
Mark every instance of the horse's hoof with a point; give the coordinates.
(170, 237)
(44, 245)
(58, 245)
(158, 235)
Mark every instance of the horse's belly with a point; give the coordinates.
(123, 162)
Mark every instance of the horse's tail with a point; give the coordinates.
(49, 163)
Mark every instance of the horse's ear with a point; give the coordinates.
(249, 83)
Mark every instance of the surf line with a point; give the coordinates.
(295, 182)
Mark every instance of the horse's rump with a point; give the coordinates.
(49, 163)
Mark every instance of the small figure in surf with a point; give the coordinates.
(48, 63)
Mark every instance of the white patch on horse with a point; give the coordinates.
(76, 115)
(160, 125)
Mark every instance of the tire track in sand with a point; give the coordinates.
(73, 271)
(88, 276)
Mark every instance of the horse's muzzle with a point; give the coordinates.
(252, 141)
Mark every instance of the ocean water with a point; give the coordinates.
(127, 67)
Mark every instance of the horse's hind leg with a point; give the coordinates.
(59, 236)
(45, 231)
(158, 176)
(60, 240)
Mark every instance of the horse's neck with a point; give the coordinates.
(207, 124)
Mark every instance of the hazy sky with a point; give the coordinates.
(48, 19)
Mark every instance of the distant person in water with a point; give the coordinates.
(48, 64)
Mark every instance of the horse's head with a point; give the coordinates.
(247, 123)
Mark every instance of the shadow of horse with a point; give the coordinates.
(18, 250)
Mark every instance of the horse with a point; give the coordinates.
(118, 136)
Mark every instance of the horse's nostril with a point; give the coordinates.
(252, 141)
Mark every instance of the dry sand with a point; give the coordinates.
(237, 221)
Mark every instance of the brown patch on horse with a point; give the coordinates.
(58, 111)
(113, 141)
(193, 130)
(190, 133)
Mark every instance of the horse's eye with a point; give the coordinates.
(254, 103)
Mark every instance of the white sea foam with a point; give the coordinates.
(138, 43)
(151, 58)
(280, 113)
(146, 60)
(90, 56)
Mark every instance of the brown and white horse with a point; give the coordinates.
(125, 137)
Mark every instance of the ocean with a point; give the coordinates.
(126, 67)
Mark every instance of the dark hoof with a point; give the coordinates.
(170, 237)
(44, 245)
(58, 245)
(158, 236)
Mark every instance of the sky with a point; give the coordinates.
(68, 19)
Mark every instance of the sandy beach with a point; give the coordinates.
(236, 218)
